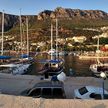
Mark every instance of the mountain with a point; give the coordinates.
(69, 14)
(9, 21)
(61, 13)
(71, 22)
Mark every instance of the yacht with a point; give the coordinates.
(99, 67)
(20, 69)
(53, 66)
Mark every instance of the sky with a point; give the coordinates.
(33, 7)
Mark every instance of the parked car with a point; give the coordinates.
(90, 92)
(46, 90)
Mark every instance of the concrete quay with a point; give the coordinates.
(12, 85)
(9, 101)
(15, 84)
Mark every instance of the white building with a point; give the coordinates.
(104, 35)
(79, 39)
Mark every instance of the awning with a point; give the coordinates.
(55, 61)
(24, 56)
(50, 61)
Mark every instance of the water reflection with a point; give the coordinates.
(72, 64)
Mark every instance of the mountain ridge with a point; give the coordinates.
(67, 14)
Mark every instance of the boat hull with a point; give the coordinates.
(98, 68)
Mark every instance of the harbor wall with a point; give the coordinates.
(9, 101)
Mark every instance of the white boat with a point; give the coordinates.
(54, 66)
(25, 57)
(24, 63)
(2, 56)
(20, 69)
(63, 53)
(52, 51)
(9, 65)
(99, 67)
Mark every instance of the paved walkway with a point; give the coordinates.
(15, 84)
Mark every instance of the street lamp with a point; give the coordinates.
(103, 76)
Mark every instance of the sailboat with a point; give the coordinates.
(25, 57)
(52, 51)
(21, 67)
(54, 66)
(2, 56)
(16, 67)
(99, 67)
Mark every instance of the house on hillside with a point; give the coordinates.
(79, 39)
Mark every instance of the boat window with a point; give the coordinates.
(35, 92)
(46, 92)
(83, 90)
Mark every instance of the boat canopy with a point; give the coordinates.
(24, 56)
(5, 57)
(50, 61)
(55, 61)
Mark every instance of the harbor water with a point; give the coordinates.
(73, 66)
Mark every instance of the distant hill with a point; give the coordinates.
(60, 13)
(70, 14)
(10, 21)
(71, 22)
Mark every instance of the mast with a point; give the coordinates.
(51, 40)
(2, 32)
(23, 34)
(98, 51)
(56, 38)
(27, 36)
(98, 44)
(20, 30)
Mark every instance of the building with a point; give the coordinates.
(79, 39)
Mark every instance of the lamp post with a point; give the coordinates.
(103, 76)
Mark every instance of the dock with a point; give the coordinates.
(9, 101)
(15, 84)
(12, 85)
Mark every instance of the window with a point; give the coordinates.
(35, 92)
(83, 90)
(46, 92)
(105, 96)
(57, 93)
(95, 96)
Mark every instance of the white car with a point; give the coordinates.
(90, 92)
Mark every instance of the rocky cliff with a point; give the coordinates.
(9, 21)
(62, 13)
(69, 14)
